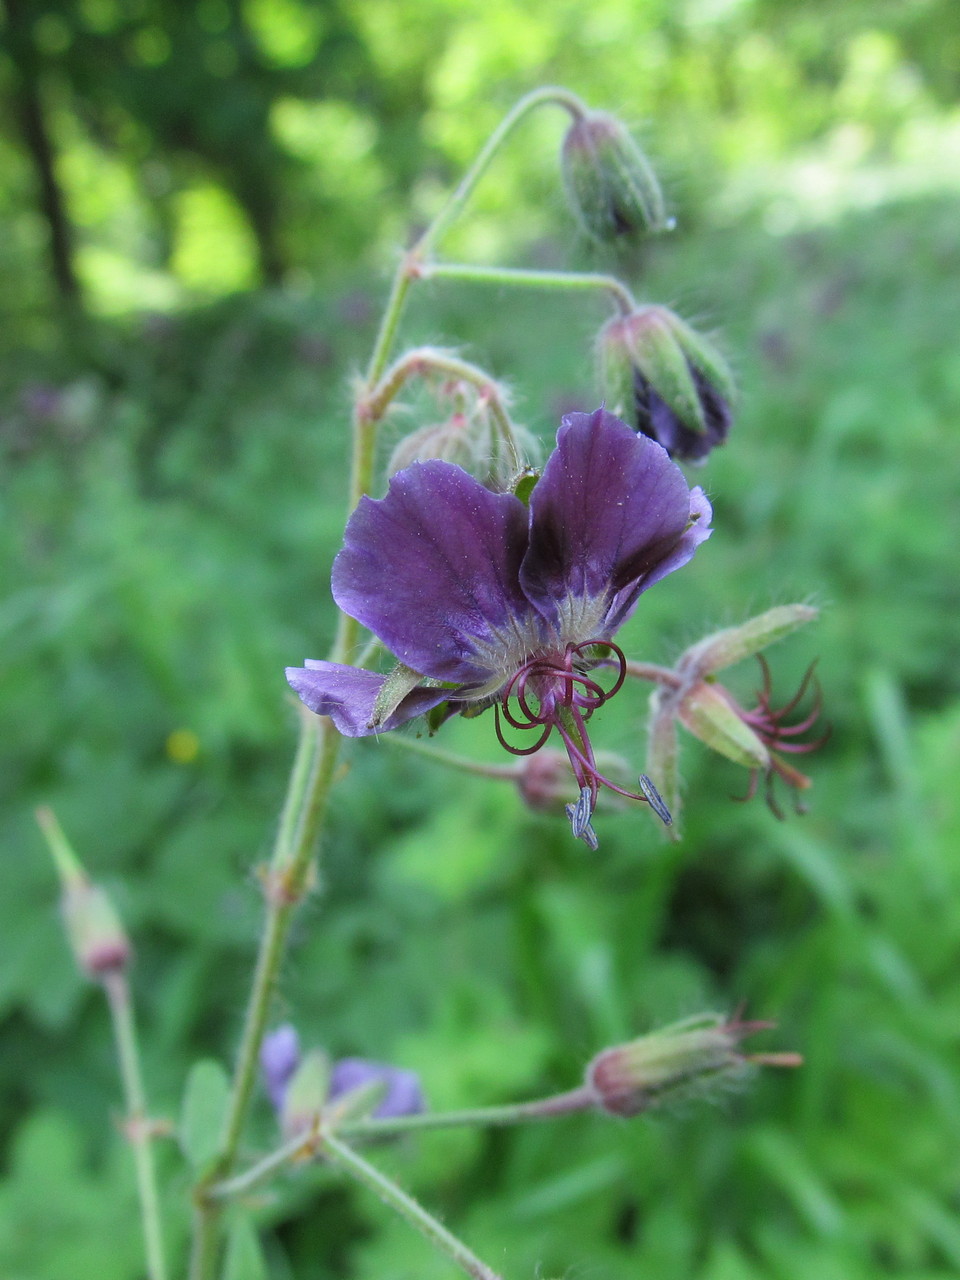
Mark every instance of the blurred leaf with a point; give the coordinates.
(204, 1108)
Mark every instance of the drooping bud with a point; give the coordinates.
(306, 1093)
(676, 1061)
(610, 185)
(666, 380)
(97, 938)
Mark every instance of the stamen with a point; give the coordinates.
(655, 800)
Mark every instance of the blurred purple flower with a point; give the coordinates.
(404, 1096)
(279, 1059)
(487, 602)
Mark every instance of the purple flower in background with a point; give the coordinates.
(486, 602)
(279, 1059)
(403, 1097)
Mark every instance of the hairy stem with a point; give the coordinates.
(137, 1124)
(346, 1159)
(519, 277)
(411, 265)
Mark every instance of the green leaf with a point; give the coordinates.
(204, 1107)
(244, 1260)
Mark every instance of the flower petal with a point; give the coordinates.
(349, 696)
(434, 566)
(698, 531)
(403, 1097)
(608, 519)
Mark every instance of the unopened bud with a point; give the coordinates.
(673, 1063)
(97, 938)
(476, 434)
(709, 715)
(733, 644)
(610, 185)
(667, 380)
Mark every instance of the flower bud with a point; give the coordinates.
(610, 185)
(733, 644)
(675, 1062)
(666, 380)
(473, 435)
(707, 712)
(97, 938)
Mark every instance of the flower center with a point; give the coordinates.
(553, 691)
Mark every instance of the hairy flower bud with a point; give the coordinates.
(674, 1062)
(610, 185)
(666, 380)
(97, 938)
(473, 435)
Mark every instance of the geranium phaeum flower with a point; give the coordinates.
(494, 603)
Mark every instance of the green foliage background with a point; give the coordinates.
(174, 459)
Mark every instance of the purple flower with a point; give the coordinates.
(403, 1097)
(486, 602)
(279, 1059)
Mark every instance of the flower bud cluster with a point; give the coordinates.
(470, 433)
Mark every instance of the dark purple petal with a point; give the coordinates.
(699, 531)
(348, 695)
(607, 518)
(279, 1059)
(433, 566)
(404, 1096)
(656, 419)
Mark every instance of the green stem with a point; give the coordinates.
(503, 772)
(137, 1123)
(651, 671)
(519, 277)
(345, 1158)
(421, 360)
(314, 766)
(558, 1104)
(411, 264)
(537, 98)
